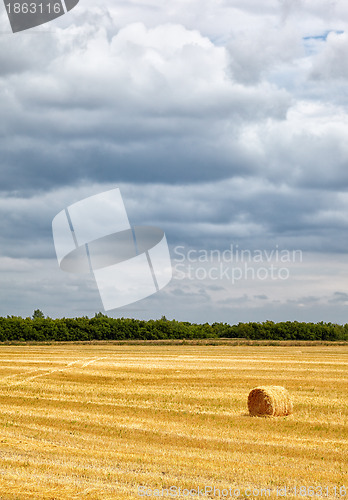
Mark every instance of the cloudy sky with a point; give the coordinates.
(223, 122)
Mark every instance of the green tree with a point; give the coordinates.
(37, 314)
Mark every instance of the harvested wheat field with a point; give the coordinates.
(116, 421)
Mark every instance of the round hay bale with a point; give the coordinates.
(269, 401)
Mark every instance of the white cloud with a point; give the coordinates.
(332, 62)
(167, 69)
(254, 53)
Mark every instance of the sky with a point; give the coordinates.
(224, 123)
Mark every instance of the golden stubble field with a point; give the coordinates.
(105, 421)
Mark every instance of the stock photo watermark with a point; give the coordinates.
(26, 15)
(209, 491)
(129, 263)
(234, 264)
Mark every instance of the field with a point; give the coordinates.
(105, 421)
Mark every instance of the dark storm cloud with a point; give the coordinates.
(247, 212)
(339, 297)
(131, 108)
(212, 216)
(127, 107)
(172, 161)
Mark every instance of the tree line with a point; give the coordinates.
(101, 327)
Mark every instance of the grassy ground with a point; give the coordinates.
(100, 421)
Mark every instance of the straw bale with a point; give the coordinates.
(271, 401)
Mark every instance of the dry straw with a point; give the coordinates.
(269, 401)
